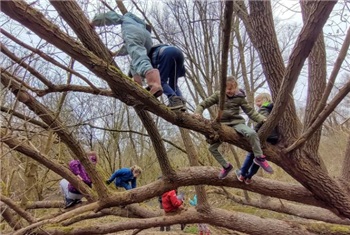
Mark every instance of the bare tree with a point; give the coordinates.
(45, 103)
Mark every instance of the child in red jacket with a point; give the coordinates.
(171, 202)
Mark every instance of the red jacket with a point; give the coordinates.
(170, 202)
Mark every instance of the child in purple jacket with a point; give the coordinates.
(71, 194)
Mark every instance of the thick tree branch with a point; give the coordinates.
(208, 176)
(27, 216)
(186, 177)
(226, 39)
(236, 221)
(193, 159)
(306, 212)
(9, 216)
(317, 74)
(300, 52)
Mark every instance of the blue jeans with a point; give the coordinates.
(169, 60)
(125, 185)
(249, 168)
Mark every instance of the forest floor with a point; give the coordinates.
(175, 230)
(156, 231)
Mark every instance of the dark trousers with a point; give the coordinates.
(249, 168)
(170, 64)
(164, 228)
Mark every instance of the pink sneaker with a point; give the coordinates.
(239, 175)
(248, 181)
(224, 172)
(261, 161)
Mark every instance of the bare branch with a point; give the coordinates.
(337, 65)
(158, 146)
(23, 117)
(49, 118)
(320, 118)
(27, 216)
(144, 16)
(25, 65)
(14, 143)
(47, 57)
(77, 88)
(135, 132)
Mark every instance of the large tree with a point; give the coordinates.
(36, 106)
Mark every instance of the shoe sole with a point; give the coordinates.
(69, 206)
(176, 107)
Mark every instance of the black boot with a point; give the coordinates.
(69, 203)
(77, 201)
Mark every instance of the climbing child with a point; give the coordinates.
(264, 102)
(234, 101)
(71, 194)
(171, 202)
(125, 177)
(169, 60)
(202, 228)
(137, 43)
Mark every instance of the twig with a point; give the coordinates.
(337, 65)
(321, 118)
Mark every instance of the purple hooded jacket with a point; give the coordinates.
(78, 169)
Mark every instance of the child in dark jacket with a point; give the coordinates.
(170, 62)
(264, 102)
(71, 194)
(234, 101)
(125, 177)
